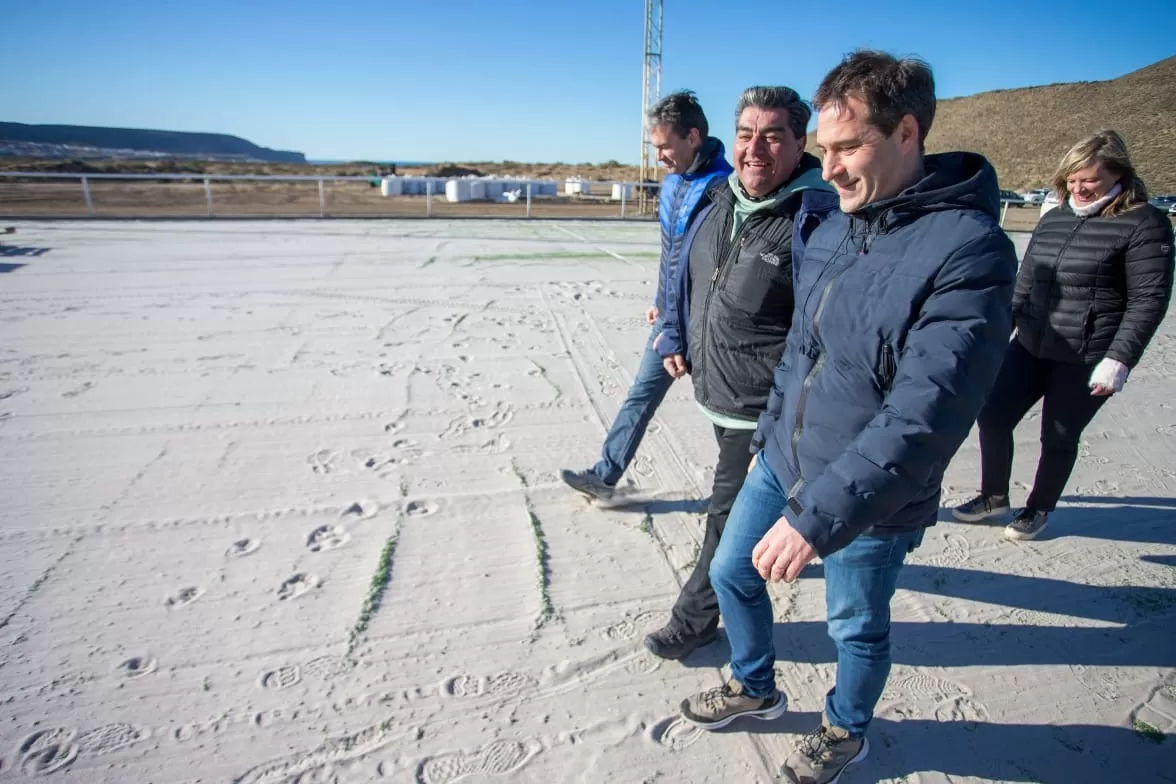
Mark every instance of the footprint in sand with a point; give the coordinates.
(420, 508)
(242, 548)
(328, 667)
(298, 585)
(644, 663)
(137, 667)
(327, 537)
(361, 510)
(494, 759)
(674, 733)
(962, 709)
(324, 461)
(503, 684)
(47, 751)
(955, 552)
(1159, 709)
(628, 627)
(921, 685)
(280, 678)
(184, 597)
(86, 387)
(111, 737)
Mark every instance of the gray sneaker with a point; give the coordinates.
(981, 507)
(823, 755)
(1028, 524)
(588, 483)
(715, 708)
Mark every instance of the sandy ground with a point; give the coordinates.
(280, 504)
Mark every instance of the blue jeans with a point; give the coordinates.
(628, 428)
(859, 583)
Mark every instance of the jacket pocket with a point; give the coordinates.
(760, 283)
(1087, 328)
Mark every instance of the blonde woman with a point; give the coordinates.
(1092, 290)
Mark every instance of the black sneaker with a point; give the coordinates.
(669, 643)
(1028, 524)
(981, 507)
(588, 483)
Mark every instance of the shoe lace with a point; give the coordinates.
(716, 698)
(815, 745)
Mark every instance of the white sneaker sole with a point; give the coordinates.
(964, 517)
(763, 714)
(1017, 536)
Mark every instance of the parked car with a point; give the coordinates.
(1012, 198)
(1164, 201)
(1037, 195)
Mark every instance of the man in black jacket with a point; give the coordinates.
(728, 321)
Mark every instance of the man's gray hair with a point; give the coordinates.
(781, 98)
(681, 112)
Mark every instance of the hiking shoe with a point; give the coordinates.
(715, 708)
(823, 755)
(981, 507)
(1028, 524)
(669, 643)
(588, 483)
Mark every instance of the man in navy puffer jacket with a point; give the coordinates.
(679, 132)
(903, 315)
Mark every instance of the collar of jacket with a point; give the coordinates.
(710, 151)
(806, 176)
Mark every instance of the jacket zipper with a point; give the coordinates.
(888, 367)
(736, 244)
(1056, 265)
(811, 376)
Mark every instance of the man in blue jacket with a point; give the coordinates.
(679, 132)
(903, 314)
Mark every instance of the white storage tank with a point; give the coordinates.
(494, 189)
(457, 190)
(622, 191)
(576, 186)
(391, 186)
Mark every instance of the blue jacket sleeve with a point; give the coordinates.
(677, 315)
(947, 367)
(666, 222)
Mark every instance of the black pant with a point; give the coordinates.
(697, 610)
(1066, 410)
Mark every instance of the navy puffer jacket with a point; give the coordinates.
(903, 316)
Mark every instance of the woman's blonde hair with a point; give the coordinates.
(1109, 149)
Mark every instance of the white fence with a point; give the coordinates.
(55, 194)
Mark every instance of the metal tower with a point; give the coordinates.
(650, 93)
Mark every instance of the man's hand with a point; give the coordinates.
(675, 365)
(651, 316)
(782, 553)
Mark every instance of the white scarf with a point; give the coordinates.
(1096, 206)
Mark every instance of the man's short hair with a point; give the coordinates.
(891, 88)
(782, 98)
(681, 112)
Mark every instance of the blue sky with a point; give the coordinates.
(505, 79)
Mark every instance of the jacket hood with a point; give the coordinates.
(951, 181)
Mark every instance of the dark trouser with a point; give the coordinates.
(1066, 410)
(697, 610)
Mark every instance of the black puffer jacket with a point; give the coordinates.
(738, 293)
(1094, 287)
